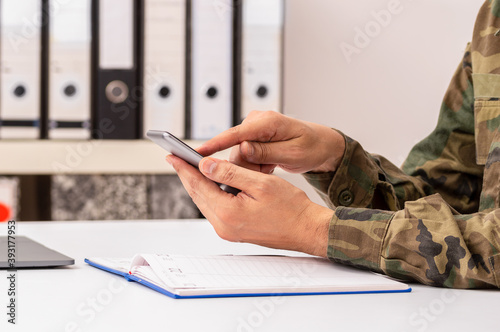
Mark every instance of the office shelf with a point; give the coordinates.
(22, 157)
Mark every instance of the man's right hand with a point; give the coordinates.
(268, 139)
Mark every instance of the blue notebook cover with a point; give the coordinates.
(397, 287)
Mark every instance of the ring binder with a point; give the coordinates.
(261, 52)
(20, 68)
(116, 69)
(165, 65)
(211, 67)
(69, 69)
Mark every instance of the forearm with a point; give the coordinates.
(427, 241)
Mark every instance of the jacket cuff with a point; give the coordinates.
(356, 178)
(321, 184)
(354, 182)
(356, 236)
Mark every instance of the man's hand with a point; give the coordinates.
(269, 139)
(269, 211)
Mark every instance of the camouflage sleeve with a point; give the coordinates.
(427, 241)
(446, 159)
(367, 180)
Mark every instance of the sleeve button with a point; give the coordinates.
(346, 197)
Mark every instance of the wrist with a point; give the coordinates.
(317, 225)
(334, 148)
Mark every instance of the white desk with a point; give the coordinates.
(92, 300)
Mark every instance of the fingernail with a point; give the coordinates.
(167, 158)
(248, 149)
(208, 166)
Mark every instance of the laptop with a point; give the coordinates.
(30, 253)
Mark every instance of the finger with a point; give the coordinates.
(223, 141)
(267, 169)
(273, 153)
(236, 158)
(235, 176)
(207, 195)
(267, 126)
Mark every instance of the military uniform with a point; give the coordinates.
(436, 220)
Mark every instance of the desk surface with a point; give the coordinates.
(82, 298)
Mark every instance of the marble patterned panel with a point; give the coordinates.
(99, 197)
(169, 200)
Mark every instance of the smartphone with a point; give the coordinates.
(180, 149)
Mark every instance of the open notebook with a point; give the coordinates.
(181, 276)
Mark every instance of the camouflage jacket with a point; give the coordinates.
(436, 220)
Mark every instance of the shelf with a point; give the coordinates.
(22, 157)
(48, 157)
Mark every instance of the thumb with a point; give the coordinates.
(224, 172)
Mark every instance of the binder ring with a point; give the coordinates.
(262, 91)
(212, 92)
(116, 91)
(19, 91)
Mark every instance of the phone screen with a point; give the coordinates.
(175, 146)
(180, 149)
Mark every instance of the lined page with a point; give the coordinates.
(256, 272)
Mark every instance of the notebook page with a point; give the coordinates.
(147, 273)
(252, 272)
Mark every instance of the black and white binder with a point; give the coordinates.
(116, 69)
(20, 68)
(211, 92)
(69, 69)
(164, 65)
(261, 55)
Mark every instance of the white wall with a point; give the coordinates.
(388, 96)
